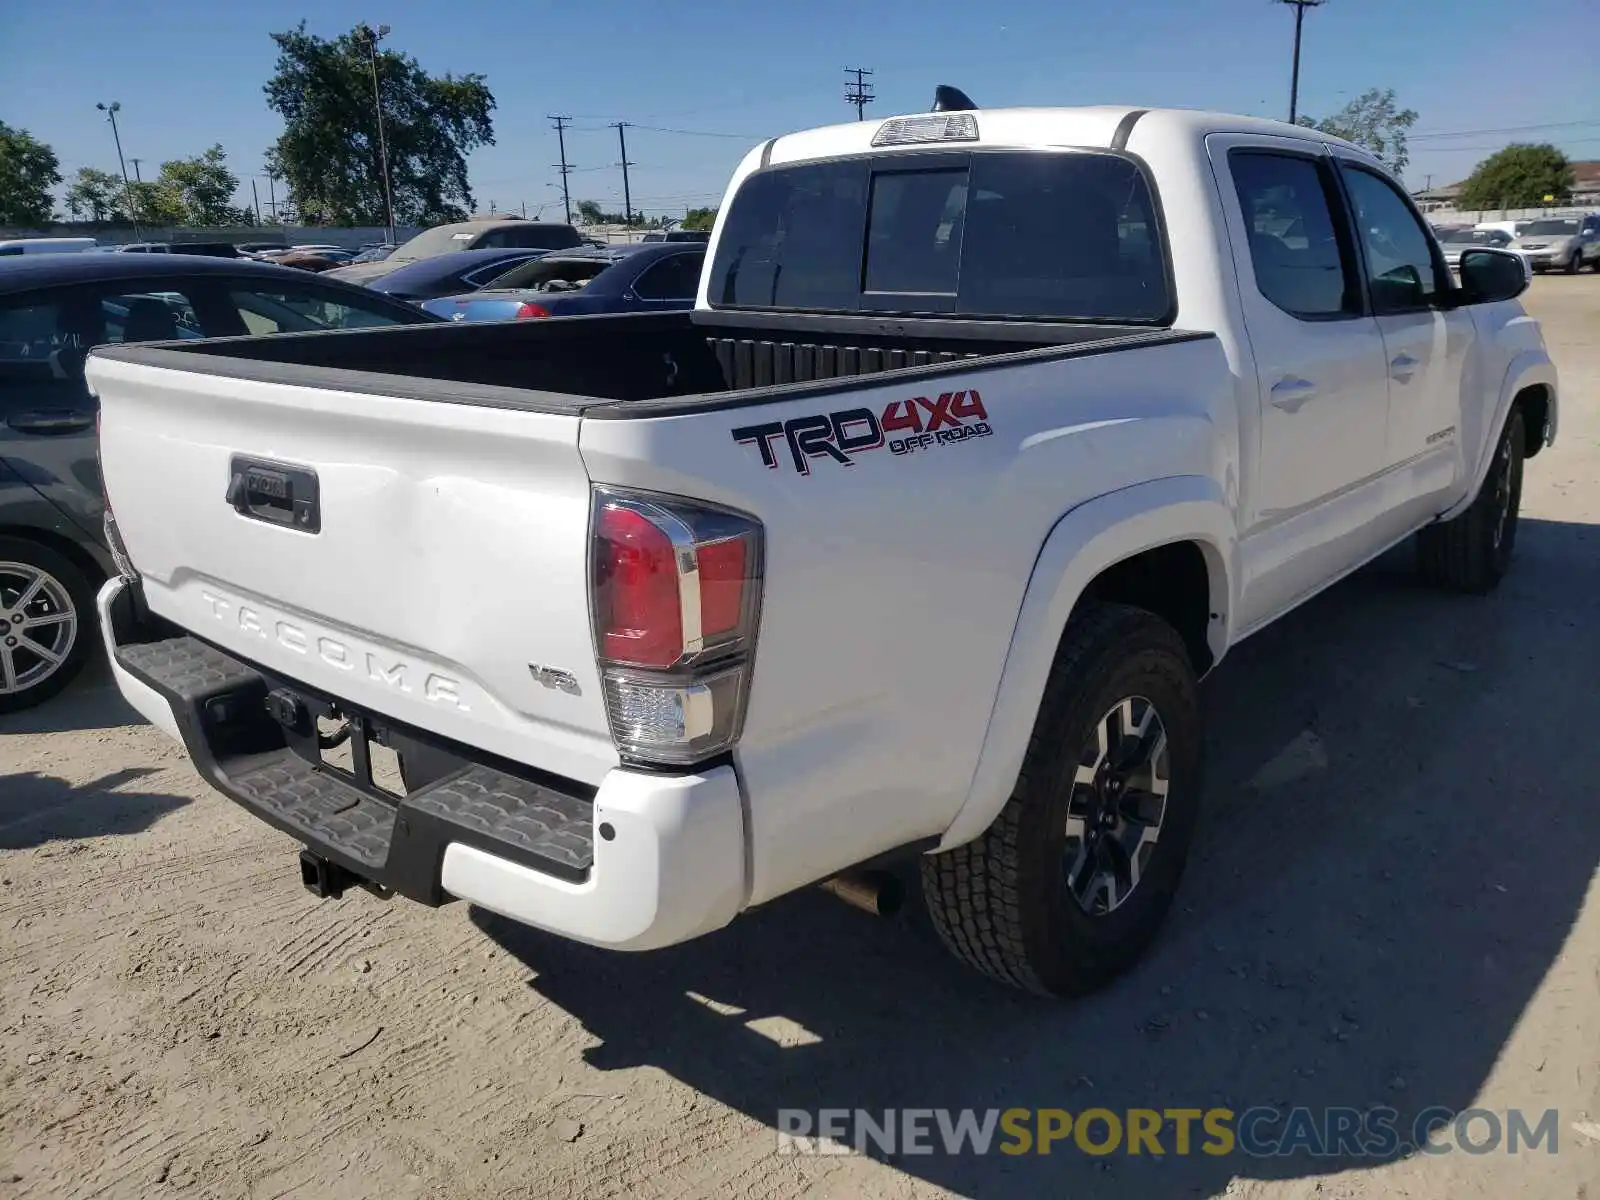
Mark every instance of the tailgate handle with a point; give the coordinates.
(278, 493)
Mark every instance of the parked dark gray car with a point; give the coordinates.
(53, 309)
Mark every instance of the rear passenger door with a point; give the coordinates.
(1320, 366)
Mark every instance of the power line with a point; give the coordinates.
(1424, 137)
(743, 137)
(1501, 146)
(858, 91)
(561, 124)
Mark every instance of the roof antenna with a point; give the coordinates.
(951, 99)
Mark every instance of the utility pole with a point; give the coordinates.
(137, 178)
(111, 110)
(858, 91)
(272, 194)
(373, 36)
(1300, 7)
(561, 124)
(255, 196)
(627, 196)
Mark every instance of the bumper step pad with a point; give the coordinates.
(186, 668)
(397, 843)
(541, 822)
(321, 807)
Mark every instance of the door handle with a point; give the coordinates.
(1290, 393)
(1402, 367)
(52, 422)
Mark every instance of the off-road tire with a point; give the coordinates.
(79, 592)
(1464, 554)
(1001, 903)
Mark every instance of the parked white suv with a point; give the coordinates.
(992, 432)
(1561, 243)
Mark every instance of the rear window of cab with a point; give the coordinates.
(1031, 235)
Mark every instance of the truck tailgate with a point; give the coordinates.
(445, 562)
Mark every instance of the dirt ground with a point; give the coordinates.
(1393, 900)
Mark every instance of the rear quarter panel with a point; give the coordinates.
(894, 583)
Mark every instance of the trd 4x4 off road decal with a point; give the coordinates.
(953, 418)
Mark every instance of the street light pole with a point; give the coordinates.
(111, 110)
(373, 37)
(1300, 7)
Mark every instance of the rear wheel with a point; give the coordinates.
(1472, 552)
(1069, 885)
(46, 623)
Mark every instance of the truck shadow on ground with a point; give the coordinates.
(90, 702)
(1399, 834)
(36, 809)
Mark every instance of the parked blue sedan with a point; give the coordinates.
(636, 277)
(444, 274)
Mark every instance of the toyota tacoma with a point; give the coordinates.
(991, 432)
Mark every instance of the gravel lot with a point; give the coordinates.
(1393, 900)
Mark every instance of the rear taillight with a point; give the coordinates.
(526, 310)
(676, 598)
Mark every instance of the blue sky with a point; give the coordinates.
(189, 73)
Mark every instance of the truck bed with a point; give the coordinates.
(649, 364)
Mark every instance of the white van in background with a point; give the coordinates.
(78, 245)
(1514, 228)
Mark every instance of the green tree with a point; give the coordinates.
(97, 196)
(160, 203)
(329, 152)
(28, 170)
(589, 212)
(700, 218)
(1520, 176)
(201, 188)
(1376, 121)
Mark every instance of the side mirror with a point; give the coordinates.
(1489, 276)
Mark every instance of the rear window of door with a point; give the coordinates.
(54, 331)
(290, 309)
(1300, 254)
(674, 278)
(479, 276)
(1027, 234)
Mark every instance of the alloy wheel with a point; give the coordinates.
(1118, 803)
(38, 626)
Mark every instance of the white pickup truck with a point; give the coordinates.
(990, 433)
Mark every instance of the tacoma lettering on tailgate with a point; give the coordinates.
(378, 666)
(953, 418)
